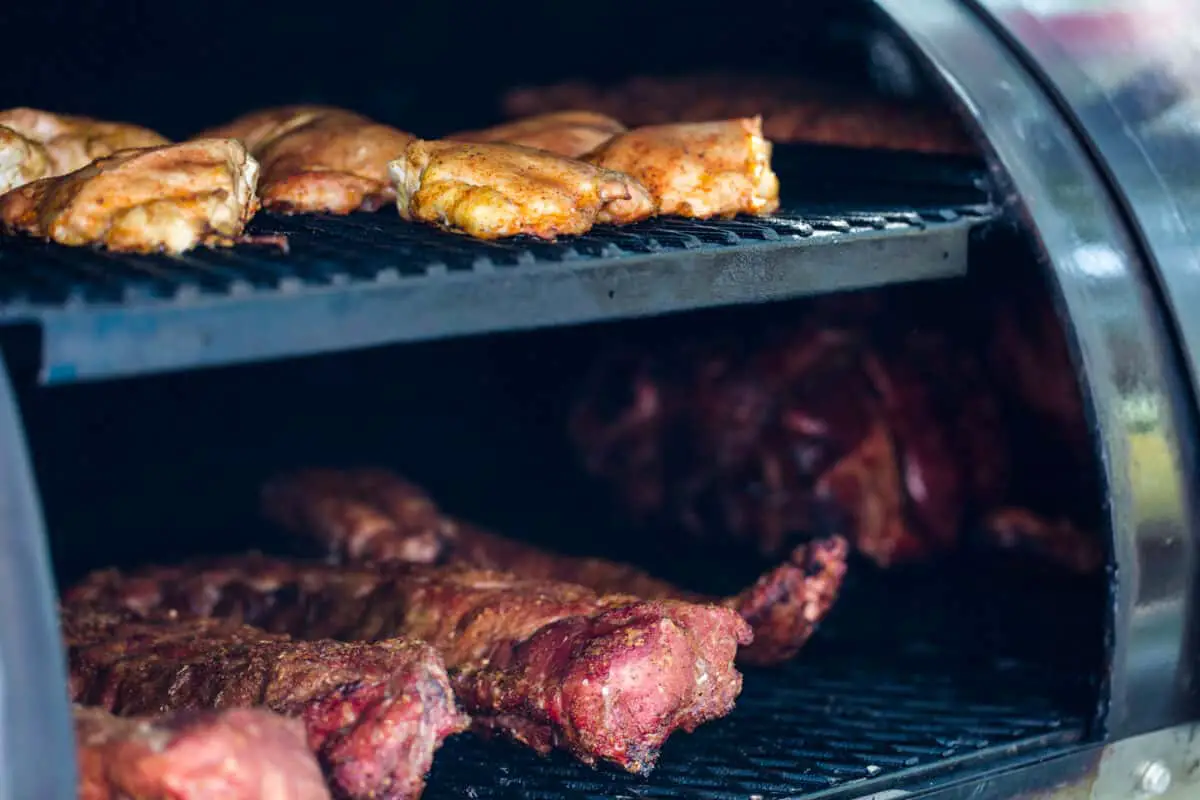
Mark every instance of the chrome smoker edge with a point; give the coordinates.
(1133, 383)
(1154, 766)
(37, 746)
(1128, 75)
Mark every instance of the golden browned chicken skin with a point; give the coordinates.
(72, 142)
(701, 169)
(257, 127)
(21, 160)
(566, 133)
(318, 159)
(167, 199)
(490, 191)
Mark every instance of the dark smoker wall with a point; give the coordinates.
(428, 66)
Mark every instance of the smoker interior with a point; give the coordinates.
(427, 67)
(920, 674)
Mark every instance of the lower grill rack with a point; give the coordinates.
(905, 682)
(805, 729)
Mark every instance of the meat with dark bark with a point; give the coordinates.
(374, 713)
(242, 754)
(889, 433)
(549, 664)
(373, 516)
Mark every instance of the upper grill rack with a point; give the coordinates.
(371, 279)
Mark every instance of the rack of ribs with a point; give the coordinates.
(374, 713)
(548, 664)
(374, 516)
(242, 754)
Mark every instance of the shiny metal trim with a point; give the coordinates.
(1137, 399)
(1122, 91)
(37, 746)
(1164, 765)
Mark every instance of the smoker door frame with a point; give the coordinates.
(1125, 74)
(1131, 370)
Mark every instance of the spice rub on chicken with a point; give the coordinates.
(564, 133)
(241, 754)
(21, 160)
(374, 713)
(374, 516)
(491, 191)
(317, 158)
(549, 664)
(701, 170)
(882, 425)
(71, 142)
(157, 199)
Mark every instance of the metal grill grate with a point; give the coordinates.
(885, 695)
(383, 249)
(371, 278)
(807, 728)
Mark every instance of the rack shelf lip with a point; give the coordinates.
(85, 340)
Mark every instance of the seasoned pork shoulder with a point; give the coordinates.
(166, 199)
(491, 191)
(889, 432)
(242, 754)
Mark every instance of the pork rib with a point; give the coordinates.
(371, 515)
(548, 664)
(374, 713)
(242, 754)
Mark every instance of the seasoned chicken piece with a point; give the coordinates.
(495, 190)
(73, 142)
(566, 133)
(319, 159)
(169, 198)
(258, 127)
(703, 169)
(21, 160)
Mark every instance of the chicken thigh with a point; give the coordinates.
(701, 170)
(21, 160)
(566, 133)
(169, 199)
(318, 159)
(491, 191)
(73, 142)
